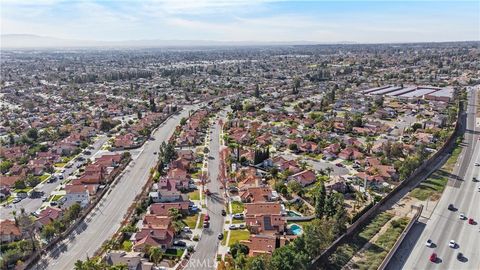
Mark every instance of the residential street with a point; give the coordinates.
(105, 219)
(204, 255)
(31, 205)
(444, 225)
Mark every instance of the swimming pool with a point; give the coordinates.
(292, 214)
(296, 229)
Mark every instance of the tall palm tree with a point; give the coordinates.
(175, 214)
(79, 265)
(155, 255)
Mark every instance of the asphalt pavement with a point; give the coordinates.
(107, 216)
(444, 225)
(33, 204)
(204, 256)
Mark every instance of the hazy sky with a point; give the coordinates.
(244, 20)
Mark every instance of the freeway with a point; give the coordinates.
(106, 217)
(32, 204)
(444, 225)
(204, 256)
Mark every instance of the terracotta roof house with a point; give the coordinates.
(9, 231)
(8, 181)
(264, 217)
(257, 194)
(158, 237)
(260, 244)
(48, 215)
(78, 194)
(304, 178)
(161, 209)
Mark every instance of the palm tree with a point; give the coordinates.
(79, 265)
(329, 170)
(174, 214)
(155, 255)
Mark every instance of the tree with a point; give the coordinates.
(155, 255)
(258, 262)
(293, 147)
(238, 248)
(183, 121)
(257, 91)
(73, 212)
(288, 258)
(175, 214)
(320, 201)
(32, 133)
(79, 265)
(5, 166)
(294, 187)
(317, 236)
(48, 232)
(341, 219)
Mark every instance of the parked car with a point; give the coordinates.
(224, 213)
(179, 243)
(459, 256)
(476, 163)
(452, 244)
(206, 224)
(433, 257)
(232, 227)
(429, 243)
(207, 217)
(238, 216)
(44, 198)
(462, 216)
(220, 236)
(53, 203)
(451, 207)
(186, 229)
(22, 195)
(241, 226)
(16, 200)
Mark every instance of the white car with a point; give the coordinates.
(186, 229)
(462, 216)
(429, 243)
(452, 244)
(233, 227)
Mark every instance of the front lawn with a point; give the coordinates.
(194, 195)
(60, 164)
(237, 235)
(191, 221)
(23, 190)
(56, 197)
(237, 207)
(44, 177)
(172, 252)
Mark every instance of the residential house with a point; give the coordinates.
(9, 231)
(265, 217)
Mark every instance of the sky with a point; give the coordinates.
(244, 20)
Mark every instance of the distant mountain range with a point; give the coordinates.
(24, 41)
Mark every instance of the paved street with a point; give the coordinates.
(444, 225)
(31, 205)
(204, 256)
(105, 219)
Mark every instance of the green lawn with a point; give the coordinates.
(44, 177)
(191, 221)
(194, 195)
(434, 185)
(237, 221)
(27, 189)
(127, 245)
(237, 235)
(172, 252)
(224, 240)
(60, 164)
(237, 207)
(56, 197)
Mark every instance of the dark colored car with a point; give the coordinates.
(180, 244)
(471, 221)
(451, 207)
(220, 236)
(459, 256)
(224, 213)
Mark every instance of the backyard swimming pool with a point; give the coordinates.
(296, 229)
